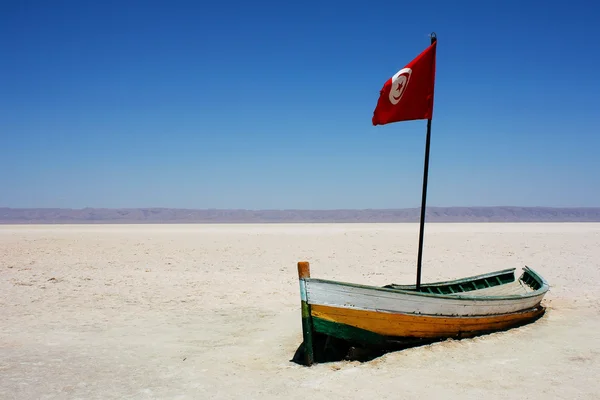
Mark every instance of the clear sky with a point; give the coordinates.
(265, 105)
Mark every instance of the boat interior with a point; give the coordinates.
(500, 283)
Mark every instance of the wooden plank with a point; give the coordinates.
(403, 325)
(347, 332)
(513, 288)
(338, 294)
(307, 327)
(508, 271)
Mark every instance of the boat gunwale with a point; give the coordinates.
(544, 287)
(459, 280)
(537, 277)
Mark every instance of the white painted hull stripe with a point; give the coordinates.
(361, 298)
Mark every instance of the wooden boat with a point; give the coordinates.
(395, 315)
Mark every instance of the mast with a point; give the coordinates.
(424, 194)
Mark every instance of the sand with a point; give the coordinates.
(212, 311)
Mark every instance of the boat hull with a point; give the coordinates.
(337, 294)
(379, 328)
(399, 315)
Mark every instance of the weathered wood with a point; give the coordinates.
(411, 326)
(303, 269)
(347, 332)
(307, 327)
(464, 284)
(346, 295)
(508, 289)
(384, 317)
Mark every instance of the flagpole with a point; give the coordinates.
(424, 195)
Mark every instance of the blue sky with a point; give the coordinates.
(265, 105)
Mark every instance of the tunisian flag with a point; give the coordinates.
(408, 95)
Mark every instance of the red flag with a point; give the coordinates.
(408, 95)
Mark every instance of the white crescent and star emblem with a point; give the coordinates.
(399, 84)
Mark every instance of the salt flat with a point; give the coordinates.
(212, 311)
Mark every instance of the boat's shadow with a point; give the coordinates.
(330, 349)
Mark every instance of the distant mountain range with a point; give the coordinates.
(174, 215)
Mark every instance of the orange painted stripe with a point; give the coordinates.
(406, 325)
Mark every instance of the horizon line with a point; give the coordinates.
(292, 209)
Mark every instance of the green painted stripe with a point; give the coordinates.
(347, 332)
(307, 330)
